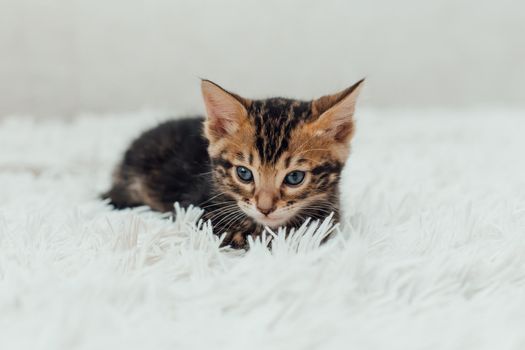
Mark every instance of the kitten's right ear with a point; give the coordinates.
(225, 111)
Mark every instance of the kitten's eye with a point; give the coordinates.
(294, 178)
(244, 174)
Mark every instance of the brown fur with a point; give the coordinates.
(318, 142)
(270, 138)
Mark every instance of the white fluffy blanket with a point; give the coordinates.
(431, 254)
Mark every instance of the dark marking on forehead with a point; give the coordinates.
(250, 158)
(274, 120)
(287, 161)
(221, 162)
(239, 156)
(327, 167)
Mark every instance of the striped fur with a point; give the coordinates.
(270, 137)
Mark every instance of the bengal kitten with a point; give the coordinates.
(248, 164)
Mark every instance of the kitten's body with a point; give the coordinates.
(166, 164)
(192, 162)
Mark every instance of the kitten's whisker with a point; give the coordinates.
(218, 214)
(222, 205)
(221, 212)
(233, 213)
(315, 214)
(209, 199)
(218, 203)
(233, 221)
(320, 207)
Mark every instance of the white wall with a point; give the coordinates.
(60, 57)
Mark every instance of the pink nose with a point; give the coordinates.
(265, 211)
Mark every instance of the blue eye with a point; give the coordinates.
(294, 178)
(244, 174)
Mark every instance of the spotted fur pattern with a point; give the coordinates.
(179, 161)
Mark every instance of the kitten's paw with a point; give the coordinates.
(236, 240)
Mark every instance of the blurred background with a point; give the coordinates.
(59, 58)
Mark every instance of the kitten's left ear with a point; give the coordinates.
(336, 113)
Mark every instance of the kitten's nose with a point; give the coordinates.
(265, 202)
(265, 211)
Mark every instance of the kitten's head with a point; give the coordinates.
(279, 159)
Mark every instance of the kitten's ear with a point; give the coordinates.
(225, 111)
(336, 113)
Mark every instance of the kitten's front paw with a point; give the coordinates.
(236, 240)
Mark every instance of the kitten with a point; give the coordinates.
(248, 164)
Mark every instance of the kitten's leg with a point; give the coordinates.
(123, 193)
(120, 198)
(130, 191)
(239, 241)
(236, 240)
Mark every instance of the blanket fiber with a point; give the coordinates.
(430, 254)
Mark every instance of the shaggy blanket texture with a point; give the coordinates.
(430, 255)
